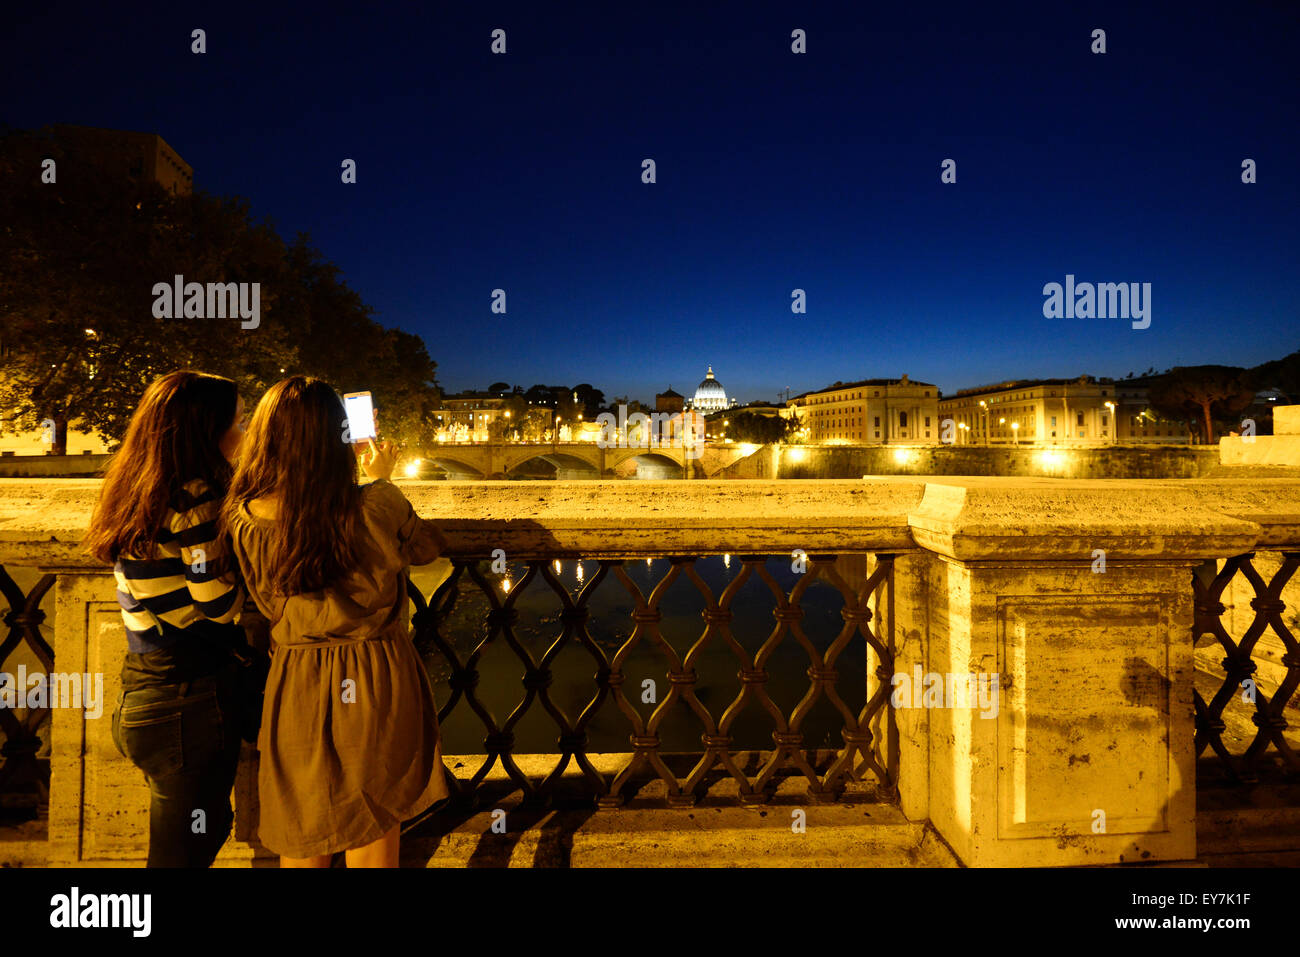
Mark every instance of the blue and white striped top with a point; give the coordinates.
(192, 576)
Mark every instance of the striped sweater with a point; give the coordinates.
(192, 576)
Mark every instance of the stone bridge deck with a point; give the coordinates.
(1097, 664)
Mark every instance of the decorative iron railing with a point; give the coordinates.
(24, 777)
(869, 749)
(1242, 692)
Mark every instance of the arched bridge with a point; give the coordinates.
(571, 460)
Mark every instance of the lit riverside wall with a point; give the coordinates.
(52, 466)
(840, 462)
(992, 575)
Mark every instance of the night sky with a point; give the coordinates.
(775, 171)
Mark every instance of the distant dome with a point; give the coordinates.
(710, 394)
(710, 387)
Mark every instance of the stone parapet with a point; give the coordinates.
(1075, 595)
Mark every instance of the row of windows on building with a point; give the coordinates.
(844, 423)
(839, 397)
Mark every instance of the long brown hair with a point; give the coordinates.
(294, 452)
(174, 437)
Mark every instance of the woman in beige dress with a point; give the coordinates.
(349, 739)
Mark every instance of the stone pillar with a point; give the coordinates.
(1085, 755)
(99, 801)
(95, 799)
(911, 646)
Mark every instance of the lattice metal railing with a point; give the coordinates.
(869, 752)
(23, 774)
(1268, 746)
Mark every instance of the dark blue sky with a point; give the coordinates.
(775, 172)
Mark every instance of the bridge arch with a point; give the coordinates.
(561, 461)
(456, 466)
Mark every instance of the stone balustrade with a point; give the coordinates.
(1077, 595)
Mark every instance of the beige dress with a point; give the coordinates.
(349, 740)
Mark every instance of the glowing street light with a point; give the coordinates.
(1114, 422)
(1015, 432)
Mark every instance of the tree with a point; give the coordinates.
(541, 395)
(1281, 374)
(499, 387)
(536, 423)
(1202, 391)
(79, 259)
(633, 405)
(78, 262)
(513, 420)
(755, 427)
(793, 426)
(567, 410)
(591, 399)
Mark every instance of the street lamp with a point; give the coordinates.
(1114, 423)
(1015, 432)
(984, 409)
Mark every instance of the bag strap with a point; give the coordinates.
(244, 653)
(157, 622)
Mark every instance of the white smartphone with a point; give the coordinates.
(361, 416)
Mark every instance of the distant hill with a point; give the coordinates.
(1281, 374)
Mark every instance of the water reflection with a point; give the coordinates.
(645, 664)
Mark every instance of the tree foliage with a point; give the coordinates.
(757, 427)
(79, 259)
(1203, 393)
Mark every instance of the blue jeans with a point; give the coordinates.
(185, 739)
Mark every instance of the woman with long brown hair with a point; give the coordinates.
(349, 739)
(156, 523)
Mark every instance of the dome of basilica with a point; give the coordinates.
(710, 394)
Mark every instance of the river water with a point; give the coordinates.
(610, 625)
